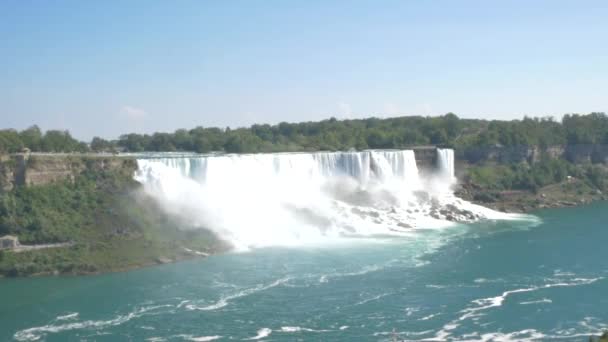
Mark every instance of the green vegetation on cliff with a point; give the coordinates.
(111, 225)
(524, 176)
(525, 186)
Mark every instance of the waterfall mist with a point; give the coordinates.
(303, 198)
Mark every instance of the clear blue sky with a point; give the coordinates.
(111, 67)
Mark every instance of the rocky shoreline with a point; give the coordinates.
(181, 254)
(570, 193)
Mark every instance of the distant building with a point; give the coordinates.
(9, 242)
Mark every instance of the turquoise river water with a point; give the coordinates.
(544, 279)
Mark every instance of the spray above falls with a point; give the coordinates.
(298, 198)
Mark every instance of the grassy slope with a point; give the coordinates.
(112, 225)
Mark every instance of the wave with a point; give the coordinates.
(483, 304)
(365, 301)
(540, 301)
(290, 329)
(264, 332)
(199, 338)
(68, 317)
(224, 301)
(365, 270)
(487, 303)
(426, 318)
(36, 333)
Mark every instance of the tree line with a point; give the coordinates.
(12, 141)
(332, 135)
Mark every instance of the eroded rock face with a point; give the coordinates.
(32, 170)
(578, 154)
(49, 170)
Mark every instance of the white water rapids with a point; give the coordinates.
(260, 200)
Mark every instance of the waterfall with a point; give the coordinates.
(445, 161)
(295, 198)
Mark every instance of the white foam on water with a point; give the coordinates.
(541, 301)
(200, 338)
(364, 270)
(426, 318)
(68, 317)
(264, 332)
(156, 339)
(295, 199)
(225, 300)
(291, 329)
(374, 298)
(485, 280)
(36, 333)
(483, 304)
(522, 335)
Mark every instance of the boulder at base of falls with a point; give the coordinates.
(163, 260)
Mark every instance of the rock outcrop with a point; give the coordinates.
(426, 157)
(577, 154)
(26, 169)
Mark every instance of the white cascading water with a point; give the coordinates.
(301, 198)
(445, 159)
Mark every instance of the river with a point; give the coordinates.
(541, 279)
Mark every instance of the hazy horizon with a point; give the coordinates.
(108, 68)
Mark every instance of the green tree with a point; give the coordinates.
(32, 138)
(101, 145)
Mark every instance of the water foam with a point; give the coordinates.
(483, 304)
(308, 198)
(264, 332)
(225, 300)
(36, 333)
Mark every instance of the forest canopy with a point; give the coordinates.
(331, 135)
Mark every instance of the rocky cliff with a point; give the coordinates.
(41, 169)
(426, 157)
(578, 154)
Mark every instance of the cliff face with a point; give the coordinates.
(426, 157)
(578, 154)
(587, 153)
(511, 154)
(32, 170)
